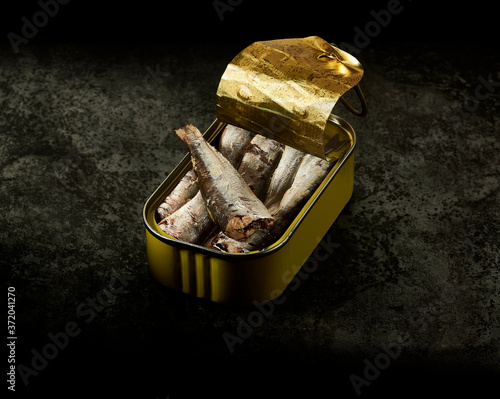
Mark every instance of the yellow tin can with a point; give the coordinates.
(241, 279)
(260, 276)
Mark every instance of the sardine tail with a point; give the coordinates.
(188, 133)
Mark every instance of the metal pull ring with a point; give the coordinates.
(361, 97)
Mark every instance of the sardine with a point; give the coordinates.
(283, 176)
(233, 142)
(180, 225)
(258, 156)
(210, 236)
(182, 193)
(227, 244)
(310, 173)
(189, 222)
(259, 160)
(230, 201)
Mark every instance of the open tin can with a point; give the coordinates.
(259, 276)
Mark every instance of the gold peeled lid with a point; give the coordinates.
(286, 90)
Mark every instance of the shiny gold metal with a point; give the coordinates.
(286, 90)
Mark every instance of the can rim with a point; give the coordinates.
(214, 129)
